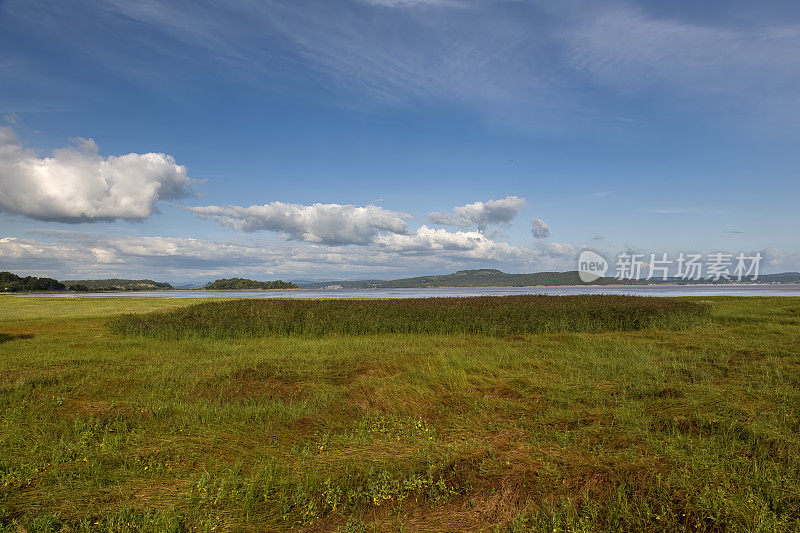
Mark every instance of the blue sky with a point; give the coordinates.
(344, 139)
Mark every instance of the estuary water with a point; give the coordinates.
(641, 290)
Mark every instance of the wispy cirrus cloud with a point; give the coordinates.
(531, 55)
(413, 3)
(541, 62)
(623, 46)
(686, 211)
(77, 184)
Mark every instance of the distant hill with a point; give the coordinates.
(248, 284)
(116, 285)
(784, 277)
(484, 277)
(488, 277)
(13, 283)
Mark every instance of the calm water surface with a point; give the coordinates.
(652, 290)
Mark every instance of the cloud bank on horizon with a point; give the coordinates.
(79, 255)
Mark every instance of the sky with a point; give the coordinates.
(352, 139)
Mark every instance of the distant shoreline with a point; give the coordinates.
(742, 284)
(166, 292)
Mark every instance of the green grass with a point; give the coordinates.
(654, 429)
(490, 315)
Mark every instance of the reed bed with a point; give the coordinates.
(491, 315)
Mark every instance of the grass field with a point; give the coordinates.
(691, 425)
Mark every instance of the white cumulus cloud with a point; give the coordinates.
(778, 260)
(332, 224)
(76, 184)
(558, 249)
(540, 228)
(481, 214)
(466, 244)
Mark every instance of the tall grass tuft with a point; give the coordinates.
(485, 315)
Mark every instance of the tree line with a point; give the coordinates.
(12, 283)
(248, 284)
